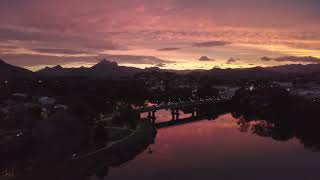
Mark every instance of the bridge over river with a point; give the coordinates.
(174, 107)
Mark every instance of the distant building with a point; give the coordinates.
(307, 93)
(46, 101)
(158, 87)
(286, 85)
(20, 95)
(307, 90)
(226, 91)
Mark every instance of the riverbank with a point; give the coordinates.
(113, 154)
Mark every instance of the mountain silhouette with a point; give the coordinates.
(295, 69)
(108, 69)
(261, 72)
(103, 69)
(60, 71)
(8, 71)
(105, 64)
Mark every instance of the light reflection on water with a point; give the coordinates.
(218, 149)
(163, 115)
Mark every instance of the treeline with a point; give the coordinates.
(278, 115)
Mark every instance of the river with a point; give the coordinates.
(218, 149)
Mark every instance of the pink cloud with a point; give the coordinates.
(95, 26)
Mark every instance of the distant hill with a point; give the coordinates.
(295, 69)
(260, 72)
(247, 73)
(8, 71)
(107, 69)
(111, 69)
(60, 71)
(103, 69)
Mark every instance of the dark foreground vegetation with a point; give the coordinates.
(273, 112)
(59, 130)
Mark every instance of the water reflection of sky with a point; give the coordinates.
(165, 115)
(218, 150)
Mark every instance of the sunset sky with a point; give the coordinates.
(171, 34)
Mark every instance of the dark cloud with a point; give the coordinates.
(160, 65)
(30, 60)
(265, 58)
(60, 51)
(135, 59)
(8, 47)
(205, 58)
(4, 49)
(306, 59)
(211, 44)
(20, 34)
(169, 49)
(312, 46)
(231, 60)
(55, 39)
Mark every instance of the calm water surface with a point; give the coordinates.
(217, 149)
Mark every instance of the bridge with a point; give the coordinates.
(181, 104)
(173, 106)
